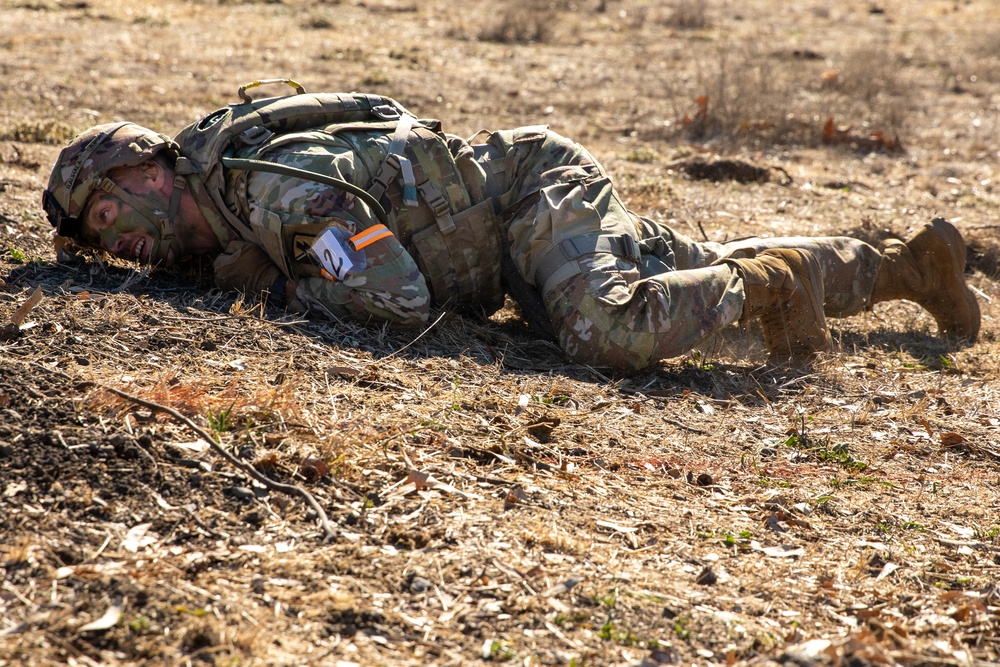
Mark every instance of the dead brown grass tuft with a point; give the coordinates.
(871, 90)
(687, 15)
(317, 21)
(224, 404)
(47, 131)
(549, 535)
(746, 96)
(984, 250)
(519, 22)
(750, 95)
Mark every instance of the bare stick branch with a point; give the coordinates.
(329, 533)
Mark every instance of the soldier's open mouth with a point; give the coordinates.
(137, 253)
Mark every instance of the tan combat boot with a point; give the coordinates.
(784, 289)
(928, 269)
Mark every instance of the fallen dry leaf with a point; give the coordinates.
(22, 312)
(514, 496)
(313, 468)
(952, 439)
(108, 621)
(887, 569)
(418, 479)
(138, 537)
(783, 551)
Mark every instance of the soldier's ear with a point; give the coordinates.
(145, 177)
(153, 173)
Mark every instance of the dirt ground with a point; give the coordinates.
(487, 501)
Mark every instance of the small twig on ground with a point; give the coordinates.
(684, 427)
(701, 229)
(419, 336)
(674, 422)
(291, 489)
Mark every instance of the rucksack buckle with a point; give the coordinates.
(255, 135)
(386, 112)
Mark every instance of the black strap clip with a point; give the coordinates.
(386, 112)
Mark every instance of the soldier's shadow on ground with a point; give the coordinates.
(730, 367)
(915, 348)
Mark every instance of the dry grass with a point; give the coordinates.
(39, 132)
(688, 15)
(489, 496)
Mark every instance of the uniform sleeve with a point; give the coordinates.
(390, 289)
(378, 278)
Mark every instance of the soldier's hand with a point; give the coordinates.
(247, 268)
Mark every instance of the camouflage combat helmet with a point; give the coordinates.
(83, 165)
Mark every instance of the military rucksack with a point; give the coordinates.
(432, 190)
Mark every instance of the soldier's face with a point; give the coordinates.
(111, 225)
(116, 227)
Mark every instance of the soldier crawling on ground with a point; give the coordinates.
(347, 206)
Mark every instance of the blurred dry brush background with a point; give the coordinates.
(747, 87)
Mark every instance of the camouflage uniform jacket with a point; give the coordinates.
(441, 246)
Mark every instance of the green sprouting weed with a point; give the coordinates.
(749, 461)
(221, 422)
(138, 625)
(624, 637)
(643, 155)
(696, 361)
(181, 609)
(840, 455)
(608, 600)
(681, 627)
(378, 77)
(836, 482)
(501, 652)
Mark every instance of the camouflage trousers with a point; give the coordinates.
(621, 290)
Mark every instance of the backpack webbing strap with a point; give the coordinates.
(397, 148)
(396, 164)
(440, 206)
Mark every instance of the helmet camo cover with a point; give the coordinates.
(83, 164)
